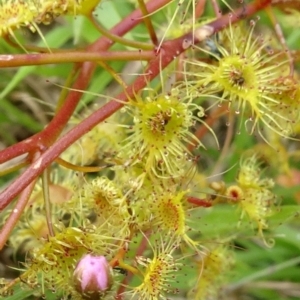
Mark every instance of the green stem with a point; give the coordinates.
(119, 39)
(47, 201)
(112, 72)
(84, 169)
(65, 90)
(34, 48)
(13, 168)
(148, 22)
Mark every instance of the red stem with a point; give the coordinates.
(209, 121)
(199, 202)
(141, 249)
(169, 51)
(15, 214)
(45, 138)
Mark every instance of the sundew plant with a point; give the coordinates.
(149, 149)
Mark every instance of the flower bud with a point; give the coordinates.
(92, 276)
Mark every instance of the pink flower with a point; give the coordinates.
(92, 276)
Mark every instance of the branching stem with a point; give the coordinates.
(119, 39)
(45, 141)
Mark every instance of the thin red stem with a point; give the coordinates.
(169, 51)
(142, 247)
(216, 8)
(200, 8)
(51, 132)
(199, 202)
(18, 60)
(14, 216)
(212, 118)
